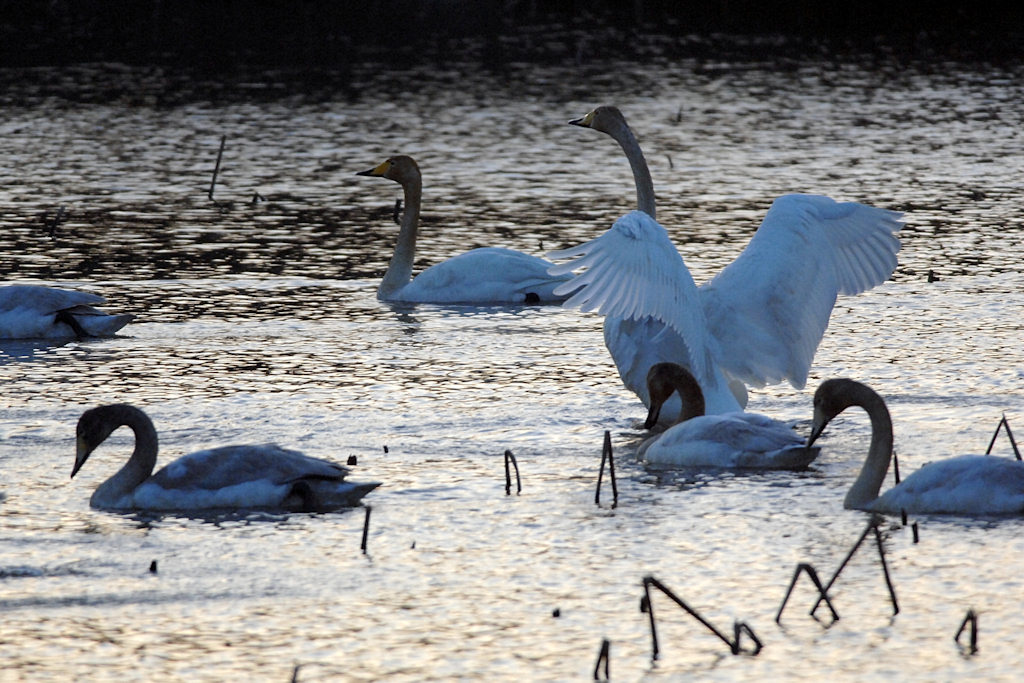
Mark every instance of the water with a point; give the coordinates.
(258, 321)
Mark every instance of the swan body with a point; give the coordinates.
(764, 314)
(264, 477)
(487, 275)
(736, 440)
(38, 312)
(962, 485)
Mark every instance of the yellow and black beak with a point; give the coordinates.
(584, 121)
(378, 170)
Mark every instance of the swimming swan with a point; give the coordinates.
(38, 312)
(488, 275)
(764, 314)
(263, 477)
(731, 440)
(963, 485)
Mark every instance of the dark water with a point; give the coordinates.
(257, 321)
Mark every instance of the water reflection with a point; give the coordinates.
(261, 318)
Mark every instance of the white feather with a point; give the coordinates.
(32, 311)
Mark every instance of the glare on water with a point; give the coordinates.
(257, 321)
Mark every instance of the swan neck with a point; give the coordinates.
(641, 173)
(399, 271)
(139, 466)
(690, 396)
(872, 474)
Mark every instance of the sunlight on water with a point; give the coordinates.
(257, 321)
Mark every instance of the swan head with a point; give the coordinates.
(604, 118)
(664, 379)
(94, 426)
(400, 168)
(832, 397)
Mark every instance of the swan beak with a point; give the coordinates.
(584, 121)
(816, 429)
(652, 415)
(378, 170)
(82, 452)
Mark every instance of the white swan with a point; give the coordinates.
(487, 275)
(764, 314)
(730, 440)
(964, 485)
(38, 312)
(263, 477)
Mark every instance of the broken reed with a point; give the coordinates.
(509, 457)
(739, 627)
(607, 455)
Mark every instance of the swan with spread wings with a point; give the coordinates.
(759, 321)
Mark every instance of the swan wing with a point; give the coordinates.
(488, 275)
(30, 312)
(633, 272)
(217, 468)
(769, 308)
(249, 476)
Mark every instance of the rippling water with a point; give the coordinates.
(258, 321)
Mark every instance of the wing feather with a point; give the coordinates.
(633, 271)
(769, 309)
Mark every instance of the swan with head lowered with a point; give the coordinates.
(487, 275)
(39, 312)
(250, 477)
(729, 441)
(962, 485)
(757, 322)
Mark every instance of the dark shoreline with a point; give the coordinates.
(216, 36)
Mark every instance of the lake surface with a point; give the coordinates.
(258, 321)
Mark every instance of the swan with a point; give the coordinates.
(731, 440)
(263, 477)
(763, 315)
(962, 485)
(487, 275)
(39, 312)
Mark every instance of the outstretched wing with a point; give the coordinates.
(633, 271)
(768, 309)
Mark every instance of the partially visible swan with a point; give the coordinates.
(730, 440)
(263, 477)
(765, 313)
(964, 485)
(38, 312)
(487, 275)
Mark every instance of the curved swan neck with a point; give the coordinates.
(664, 379)
(142, 461)
(872, 474)
(399, 271)
(623, 134)
(692, 399)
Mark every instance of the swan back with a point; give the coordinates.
(730, 441)
(39, 312)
